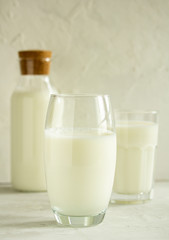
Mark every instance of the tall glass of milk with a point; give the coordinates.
(28, 112)
(137, 133)
(80, 157)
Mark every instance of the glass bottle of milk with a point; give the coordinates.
(28, 111)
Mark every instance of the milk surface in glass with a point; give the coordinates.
(80, 170)
(136, 143)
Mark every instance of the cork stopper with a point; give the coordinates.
(35, 62)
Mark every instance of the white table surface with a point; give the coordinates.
(28, 216)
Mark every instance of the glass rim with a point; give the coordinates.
(74, 95)
(137, 111)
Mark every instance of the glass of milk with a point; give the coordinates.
(80, 157)
(137, 133)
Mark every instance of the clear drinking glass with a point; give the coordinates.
(137, 133)
(80, 157)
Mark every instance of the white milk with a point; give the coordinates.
(80, 171)
(28, 120)
(136, 142)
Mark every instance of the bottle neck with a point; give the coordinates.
(36, 77)
(34, 83)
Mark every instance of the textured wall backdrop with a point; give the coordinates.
(119, 47)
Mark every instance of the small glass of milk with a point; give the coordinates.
(137, 133)
(80, 157)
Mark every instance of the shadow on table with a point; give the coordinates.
(32, 225)
(6, 189)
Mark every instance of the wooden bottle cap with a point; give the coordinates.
(35, 62)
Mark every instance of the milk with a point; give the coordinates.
(136, 142)
(28, 112)
(80, 170)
